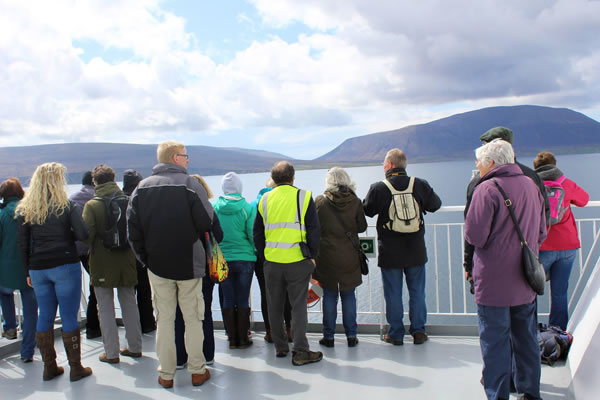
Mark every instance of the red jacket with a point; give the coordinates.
(563, 236)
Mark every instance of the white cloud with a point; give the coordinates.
(359, 67)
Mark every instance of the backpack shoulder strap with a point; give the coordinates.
(411, 184)
(389, 185)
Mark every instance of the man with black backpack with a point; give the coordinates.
(112, 265)
(400, 202)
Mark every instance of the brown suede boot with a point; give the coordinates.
(72, 342)
(243, 324)
(45, 342)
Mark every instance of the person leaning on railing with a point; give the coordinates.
(48, 225)
(558, 251)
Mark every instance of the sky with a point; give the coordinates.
(286, 76)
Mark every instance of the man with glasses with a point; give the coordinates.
(168, 215)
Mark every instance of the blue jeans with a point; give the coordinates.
(236, 288)
(558, 264)
(30, 317)
(394, 309)
(7, 303)
(506, 332)
(58, 287)
(330, 300)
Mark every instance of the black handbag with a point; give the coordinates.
(362, 257)
(532, 267)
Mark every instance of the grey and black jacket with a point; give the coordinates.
(167, 217)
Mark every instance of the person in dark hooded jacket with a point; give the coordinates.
(338, 265)
(131, 178)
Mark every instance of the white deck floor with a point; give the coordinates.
(445, 367)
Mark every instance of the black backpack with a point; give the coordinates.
(115, 235)
(554, 343)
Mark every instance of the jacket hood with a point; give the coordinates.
(231, 183)
(549, 172)
(131, 178)
(503, 170)
(162, 168)
(395, 172)
(230, 204)
(107, 189)
(341, 198)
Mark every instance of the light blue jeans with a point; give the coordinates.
(558, 264)
(58, 287)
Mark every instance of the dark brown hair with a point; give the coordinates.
(11, 188)
(544, 158)
(102, 174)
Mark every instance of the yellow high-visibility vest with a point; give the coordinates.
(283, 231)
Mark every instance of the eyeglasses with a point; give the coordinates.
(184, 155)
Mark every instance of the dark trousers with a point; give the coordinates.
(293, 277)
(506, 332)
(93, 323)
(259, 270)
(208, 347)
(144, 300)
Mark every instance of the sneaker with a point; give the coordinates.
(27, 359)
(306, 357)
(395, 342)
(210, 362)
(281, 354)
(181, 366)
(166, 383)
(352, 341)
(10, 334)
(327, 342)
(199, 379)
(105, 359)
(127, 353)
(419, 337)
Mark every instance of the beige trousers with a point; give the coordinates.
(166, 293)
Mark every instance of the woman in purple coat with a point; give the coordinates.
(506, 304)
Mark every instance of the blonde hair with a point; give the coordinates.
(46, 194)
(166, 151)
(200, 179)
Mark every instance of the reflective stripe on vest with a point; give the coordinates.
(283, 231)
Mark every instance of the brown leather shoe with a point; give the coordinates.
(128, 353)
(199, 379)
(166, 383)
(105, 359)
(395, 342)
(419, 337)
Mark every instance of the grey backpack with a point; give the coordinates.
(404, 212)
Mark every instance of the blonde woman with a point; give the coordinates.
(48, 225)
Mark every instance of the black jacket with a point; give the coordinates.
(469, 249)
(167, 217)
(399, 250)
(52, 243)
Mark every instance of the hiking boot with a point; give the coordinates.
(45, 342)
(288, 330)
(352, 341)
(419, 337)
(199, 379)
(306, 357)
(128, 353)
(282, 353)
(10, 334)
(395, 342)
(166, 383)
(105, 359)
(268, 338)
(327, 342)
(72, 341)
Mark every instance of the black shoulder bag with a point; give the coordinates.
(362, 258)
(532, 267)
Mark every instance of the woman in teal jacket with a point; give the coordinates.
(12, 273)
(237, 219)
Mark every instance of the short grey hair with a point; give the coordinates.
(397, 158)
(499, 151)
(337, 178)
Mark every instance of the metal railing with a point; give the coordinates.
(449, 301)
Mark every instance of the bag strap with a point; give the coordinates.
(348, 233)
(508, 204)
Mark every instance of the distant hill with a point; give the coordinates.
(536, 129)
(81, 157)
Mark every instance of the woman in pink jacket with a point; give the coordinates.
(558, 251)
